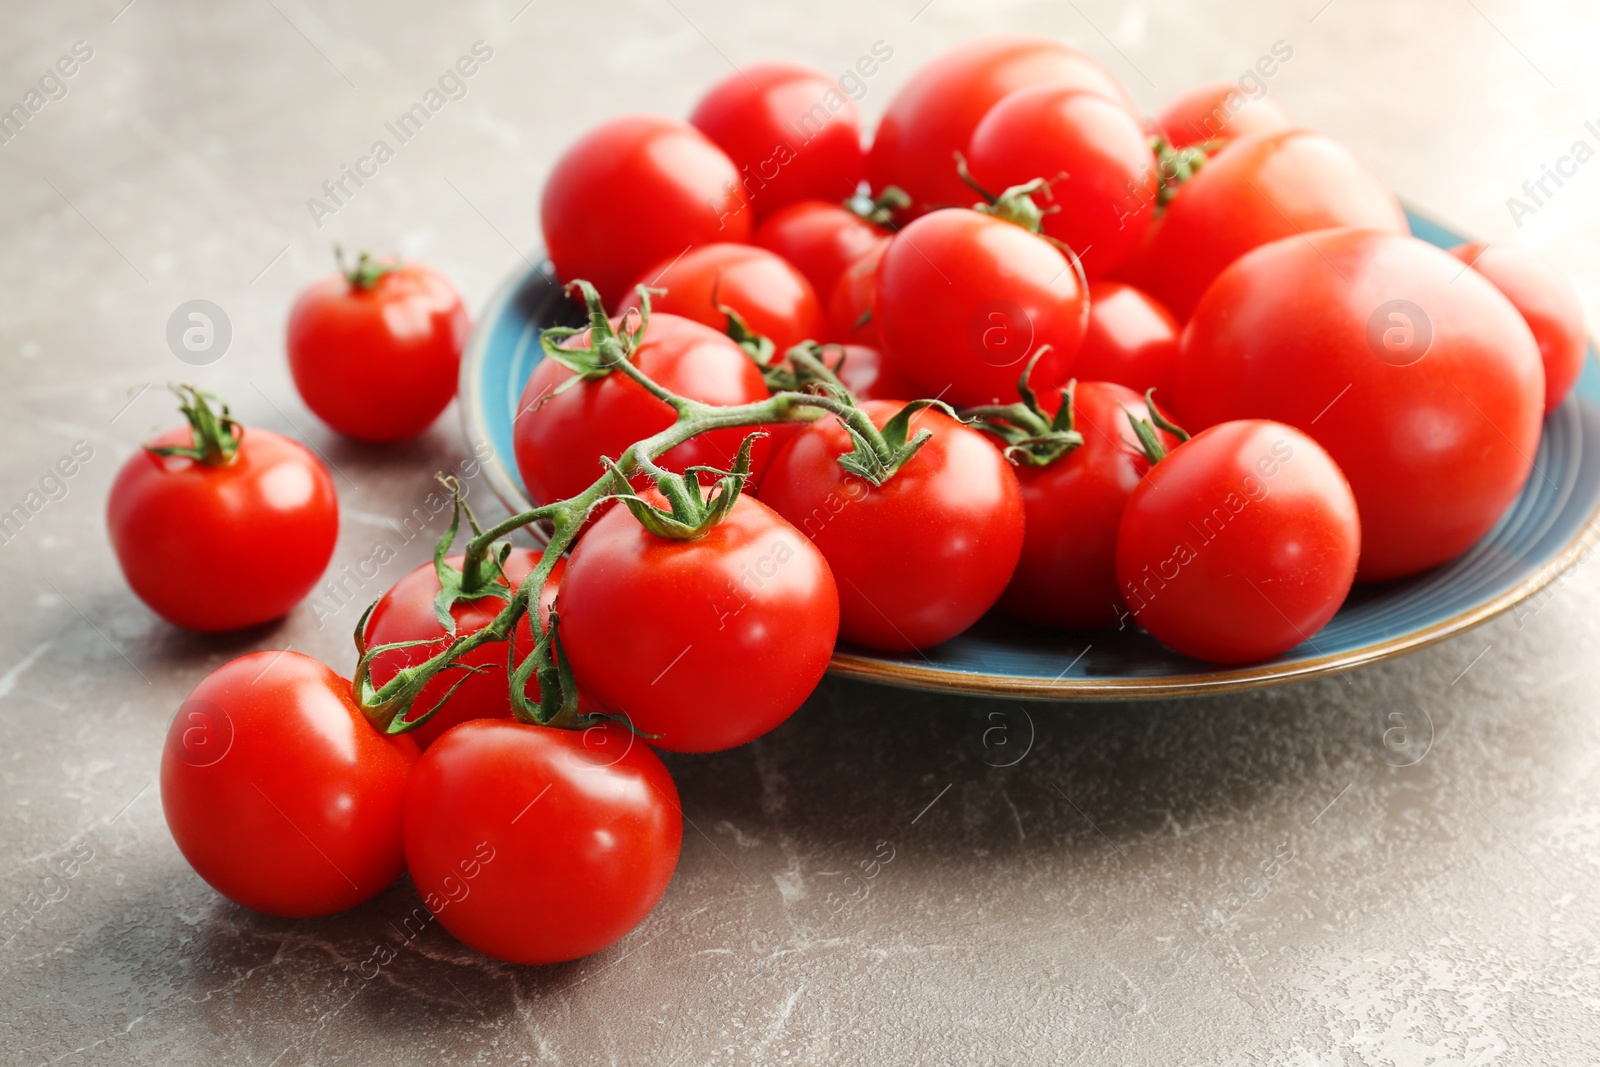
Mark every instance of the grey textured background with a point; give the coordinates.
(1236, 880)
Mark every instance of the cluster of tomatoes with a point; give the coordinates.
(1026, 350)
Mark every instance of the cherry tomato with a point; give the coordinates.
(634, 191)
(222, 545)
(1240, 544)
(1096, 157)
(278, 791)
(773, 297)
(1255, 190)
(1132, 340)
(791, 131)
(706, 643)
(405, 613)
(821, 239)
(1217, 112)
(375, 353)
(852, 300)
(933, 115)
(919, 558)
(963, 298)
(560, 437)
(867, 374)
(537, 845)
(1548, 303)
(1419, 378)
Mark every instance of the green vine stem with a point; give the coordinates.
(214, 436)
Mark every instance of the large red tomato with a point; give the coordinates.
(820, 238)
(1132, 340)
(1217, 112)
(772, 297)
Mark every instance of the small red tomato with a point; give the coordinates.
(229, 528)
(1240, 544)
(791, 131)
(821, 239)
(849, 321)
(537, 845)
(1095, 156)
(919, 558)
(772, 297)
(962, 298)
(1132, 340)
(1548, 303)
(375, 352)
(279, 792)
(634, 191)
(1217, 112)
(867, 374)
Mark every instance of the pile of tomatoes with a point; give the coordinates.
(1019, 349)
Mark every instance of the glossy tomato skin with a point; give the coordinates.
(1096, 157)
(537, 845)
(919, 558)
(379, 363)
(221, 548)
(933, 115)
(1131, 340)
(1067, 573)
(560, 437)
(707, 643)
(634, 191)
(1257, 189)
(278, 791)
(1240, 544)
(866, 373)
(791, 131)
(1434, 416)
(820, 238)
(962, 299)
(852, 299)
(1548, 303)
(772, 296)
(1218, 112)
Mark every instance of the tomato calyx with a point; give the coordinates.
(882, 210)
(1031, 437)
(1175, 166)
(692, 508)
(482, 572)
(607, 346)
(878, 454)
(757, 346)
(1015, 204)
(1145, 430)
(215, 434)
(368, 270)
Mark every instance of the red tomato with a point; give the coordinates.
(537, 845)
(791, 131)
(220, 547)
(919, 558)
(1258, 189)
(1240, 544)
(933, 115)
(1096, 157)
(377, 358)
(773, 297)
(1548, 303)
(1219, 112)
(561, 437)
(1132, 340)
(1420, 379)
(852, 300)
(963, 298)
(405, 613)
(821, 239)
(278, 791)
(867, 374)
(634, 191)
(707, 643)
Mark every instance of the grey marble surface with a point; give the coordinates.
(1241, 880)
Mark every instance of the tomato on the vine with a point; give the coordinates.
(1214, 113)
(772, 296)
(1131, 340)
(820, 238)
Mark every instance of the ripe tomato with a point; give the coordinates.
(1096, 157)
(773, 297)
(919, 558)
(821, 239)
(1257, 189)
(852, 300)
(278, 791)
(1218, 112)
(933, 115)
(867, 374)
(634, 191)
(1240, 544)
(791, 131)
(962, 298)
(226, 543)
(537, 845)
(1548, 303)
(560, 437)
(709, 642)
(1132, 340)
(1420, 379)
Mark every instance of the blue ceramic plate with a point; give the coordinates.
(1551, 525)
